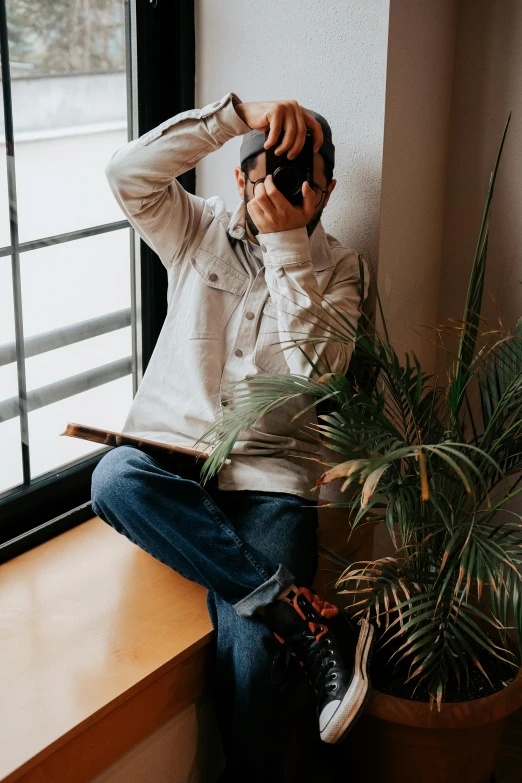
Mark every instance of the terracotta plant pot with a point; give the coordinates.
(403, 741)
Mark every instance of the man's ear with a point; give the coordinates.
(240, 181)
(329, 191)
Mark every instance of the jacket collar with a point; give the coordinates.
(319, 246)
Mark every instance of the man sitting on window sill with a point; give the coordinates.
(236, 283)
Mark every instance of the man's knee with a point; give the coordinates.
(112, 474)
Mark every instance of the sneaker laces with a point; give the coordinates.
(313, 648)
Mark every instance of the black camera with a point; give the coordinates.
(289, 175)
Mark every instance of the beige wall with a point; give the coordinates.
(416, 133)
(487, 86)
(454, 73)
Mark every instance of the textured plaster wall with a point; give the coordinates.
(331, 57)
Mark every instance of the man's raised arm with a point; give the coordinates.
(304, 312)
(142, 175)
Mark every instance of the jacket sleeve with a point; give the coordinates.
(142, 175)
(303, 311)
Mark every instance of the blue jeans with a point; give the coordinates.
(245, 547)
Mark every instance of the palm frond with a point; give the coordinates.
(468, 334)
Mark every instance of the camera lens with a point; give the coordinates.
(288, 180)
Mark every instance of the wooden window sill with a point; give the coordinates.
(101, 644)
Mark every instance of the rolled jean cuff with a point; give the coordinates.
(265, 593)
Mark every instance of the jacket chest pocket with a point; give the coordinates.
(213, 291)
(268, 354)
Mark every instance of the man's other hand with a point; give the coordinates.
(275, 116)
(272, 212)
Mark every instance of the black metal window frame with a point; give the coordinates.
(160, 44)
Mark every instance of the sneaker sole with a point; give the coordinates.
(357, 694)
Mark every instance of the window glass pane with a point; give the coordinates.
(5, 238)
(8, 381)
(66, 285)
(105, 406)
(10, 448)
(7, 329)
(8, 372)
(10, 454)
(77, 358)
(69, 109)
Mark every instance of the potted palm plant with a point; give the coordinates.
(441, 467)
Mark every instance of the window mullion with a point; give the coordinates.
(15, 254)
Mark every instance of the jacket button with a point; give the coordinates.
(212, 276)
(249, 315)
(238, 352)
(263, 248)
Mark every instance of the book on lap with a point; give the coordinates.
(175, 457)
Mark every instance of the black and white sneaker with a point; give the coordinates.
(333, 651)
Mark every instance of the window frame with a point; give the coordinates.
(161, 64)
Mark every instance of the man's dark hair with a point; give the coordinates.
(250, 163)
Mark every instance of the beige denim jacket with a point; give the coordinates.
(226, 320)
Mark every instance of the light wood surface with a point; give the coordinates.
(99, 741)
(88, 622)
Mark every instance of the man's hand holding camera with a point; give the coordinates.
(285, 122)
(276, 116)
(272, 212)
